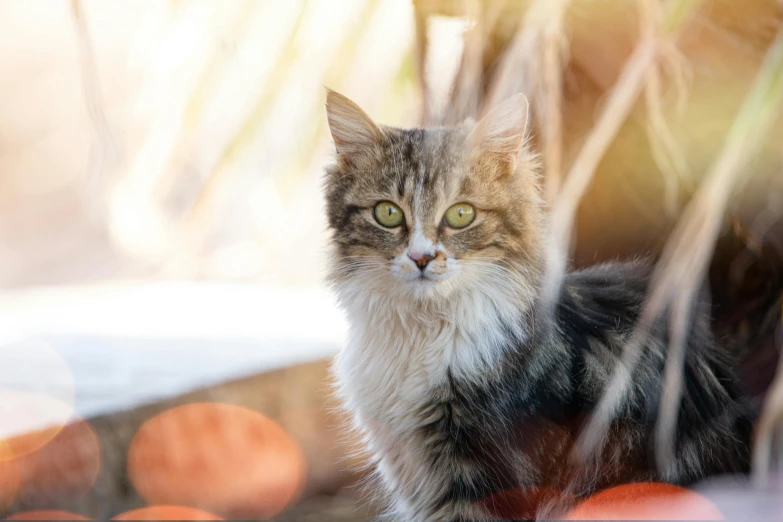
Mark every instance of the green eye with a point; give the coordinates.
(460, 215)
(388, 214)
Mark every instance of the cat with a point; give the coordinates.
(459, 382)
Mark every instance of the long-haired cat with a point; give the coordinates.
(459, 383)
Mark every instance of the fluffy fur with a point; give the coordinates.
(459, 384)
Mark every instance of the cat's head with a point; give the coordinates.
(423, 213)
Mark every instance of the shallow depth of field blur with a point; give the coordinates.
(164, 326)
(161, 235)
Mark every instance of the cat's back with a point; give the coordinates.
(602, 301)
(597, 316)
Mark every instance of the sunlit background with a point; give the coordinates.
(164, 327)
(161, 233)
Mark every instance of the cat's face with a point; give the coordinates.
(423, 212)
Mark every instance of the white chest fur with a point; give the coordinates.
(397, 356)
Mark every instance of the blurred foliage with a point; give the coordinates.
(205, 121)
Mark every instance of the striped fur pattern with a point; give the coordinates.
(459, 385)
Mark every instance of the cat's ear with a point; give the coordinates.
(351, 128)
(503, 128)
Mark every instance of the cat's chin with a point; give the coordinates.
(425, 287)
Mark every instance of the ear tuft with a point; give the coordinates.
(503, 128)
(351, 128)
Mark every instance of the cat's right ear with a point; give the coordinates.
(503, 129)
(351, 128)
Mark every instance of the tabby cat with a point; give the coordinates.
(459, 382)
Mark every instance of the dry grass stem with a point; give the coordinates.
(657, 31)
(106, 150)
(554, 49)
(687, 253)
(665, 150)
(769, 424)
(198, 214)
(467, 90)
(534, 64)
(618, 106)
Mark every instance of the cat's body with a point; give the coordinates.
(460, 384)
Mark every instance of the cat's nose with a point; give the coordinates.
(421, 260)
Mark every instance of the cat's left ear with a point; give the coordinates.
(503, 128)
(351, 128)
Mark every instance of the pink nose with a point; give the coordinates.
(420, 259)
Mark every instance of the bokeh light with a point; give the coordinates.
(63, 468)
(220, 457)
(645, 501)
(37, 416)
(37, 393)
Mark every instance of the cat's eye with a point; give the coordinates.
(388, 214)
(460, 215)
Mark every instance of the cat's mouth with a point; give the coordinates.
(404, 270)
(419, 279)
(423, 278)
(422, 284)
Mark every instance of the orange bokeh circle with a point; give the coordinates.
(23, 415)
(645, 501)
(166, 513)
(61, 468)
(47, 514)
(223, 458)
(9, 476)
(33, 398)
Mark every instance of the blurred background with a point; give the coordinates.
(164, 326)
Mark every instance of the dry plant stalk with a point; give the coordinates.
(534, 65)
(466, 93)
(106, 150)
(151, 172)
(468, 85)
(208, 83)
(197, 216)
(553, 99)
(769, 423)
(685, 260)
(621, 100)
(338, 75)
(659, 30)
(665, 150)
